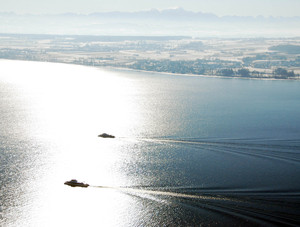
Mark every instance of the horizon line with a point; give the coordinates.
(194, 13)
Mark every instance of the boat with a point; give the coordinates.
(105, 135)
(75, 183)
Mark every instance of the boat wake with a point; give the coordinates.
(265, 194)
(284, 150)
(246, 208)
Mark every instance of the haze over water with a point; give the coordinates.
(188, 150)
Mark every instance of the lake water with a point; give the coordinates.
(188, 151)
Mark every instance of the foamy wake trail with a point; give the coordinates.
(287, 150)
(163, 193)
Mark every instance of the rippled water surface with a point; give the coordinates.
(188, 151)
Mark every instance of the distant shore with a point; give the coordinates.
(156, 72)
(226, 58)
(196, 75)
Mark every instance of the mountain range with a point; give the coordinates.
(152, 22)
(181, 14)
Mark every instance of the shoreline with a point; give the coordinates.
(163, 73)
(197, 75)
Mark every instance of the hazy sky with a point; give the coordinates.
(218, 7)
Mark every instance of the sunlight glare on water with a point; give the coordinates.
(189, 151)
(77, 101)
(69, 106)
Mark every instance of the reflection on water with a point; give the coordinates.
(188, 150)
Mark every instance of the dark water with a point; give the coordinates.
(189, 151)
